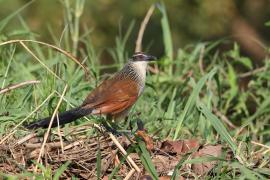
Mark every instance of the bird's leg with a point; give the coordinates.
(129, 123)
(140, 125)
(109, 128)
(107, 125)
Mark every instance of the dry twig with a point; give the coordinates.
(250, 73)
(144, 23)
(20, 123)
(142, 28)
(130, 174)
(201, 60)
(262, 145)
(46, 67)
(51, 46)
(49, 128)
(15, 86)
(26, 138)
(223, 118)
(39, 145)
(59, 134)
(124, 152)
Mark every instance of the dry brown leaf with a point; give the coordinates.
(163, 164)
(210, 150)
(147, 139)
(179, 147)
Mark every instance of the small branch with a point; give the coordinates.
(26, 138)
(15, 86)
(46, 67)
(223, 118)
(262, 145)
(59, 134)
(49, 128)
(22, 121)
(124, 152)
(201, 60)
(250, 73)
(142, 28)
(130, 174)
(73, 144)
(39, 145)
(53, 47)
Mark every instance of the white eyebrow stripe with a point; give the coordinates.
(139, 54)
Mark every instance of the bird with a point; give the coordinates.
(113, 98)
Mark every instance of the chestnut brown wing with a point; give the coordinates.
(112, 96)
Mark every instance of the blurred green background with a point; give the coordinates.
(191, 21)
(219, 67)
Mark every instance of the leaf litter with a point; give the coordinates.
(81, 151)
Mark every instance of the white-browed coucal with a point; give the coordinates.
(113, 97)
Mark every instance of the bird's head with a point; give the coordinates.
(140, 56)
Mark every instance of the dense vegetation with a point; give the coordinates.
(193, 92)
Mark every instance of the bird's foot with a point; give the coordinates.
(111, 129)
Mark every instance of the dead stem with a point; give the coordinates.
(15, 86)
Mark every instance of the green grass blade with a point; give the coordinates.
(192, 101)
(166, 31)
(203, 160)
(122, 160)
(179, 165)
(218, 125)
(263, 108)
(167, 38)
(170, 113)
(247, 173)
(146, 160)
(98, 164)
(4, 22)
(232, 80)
(60, 170)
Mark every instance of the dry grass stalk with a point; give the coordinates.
(49, 128)
(142, 28)
(15, 86)
(130, 174)
(46, 67)
(76, 143)
(39, 145)
(20, 123)
(59, 134)
(116, 142)
(144, 23)
(26, 138)
(50, 46)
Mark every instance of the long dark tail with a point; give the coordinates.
(64, 118)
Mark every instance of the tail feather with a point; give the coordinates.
(64, 118)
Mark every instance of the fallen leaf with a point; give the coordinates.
(164, 164)
(205, 167)
(180, 146)
(147, 139)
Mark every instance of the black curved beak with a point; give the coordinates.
(151, 58)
